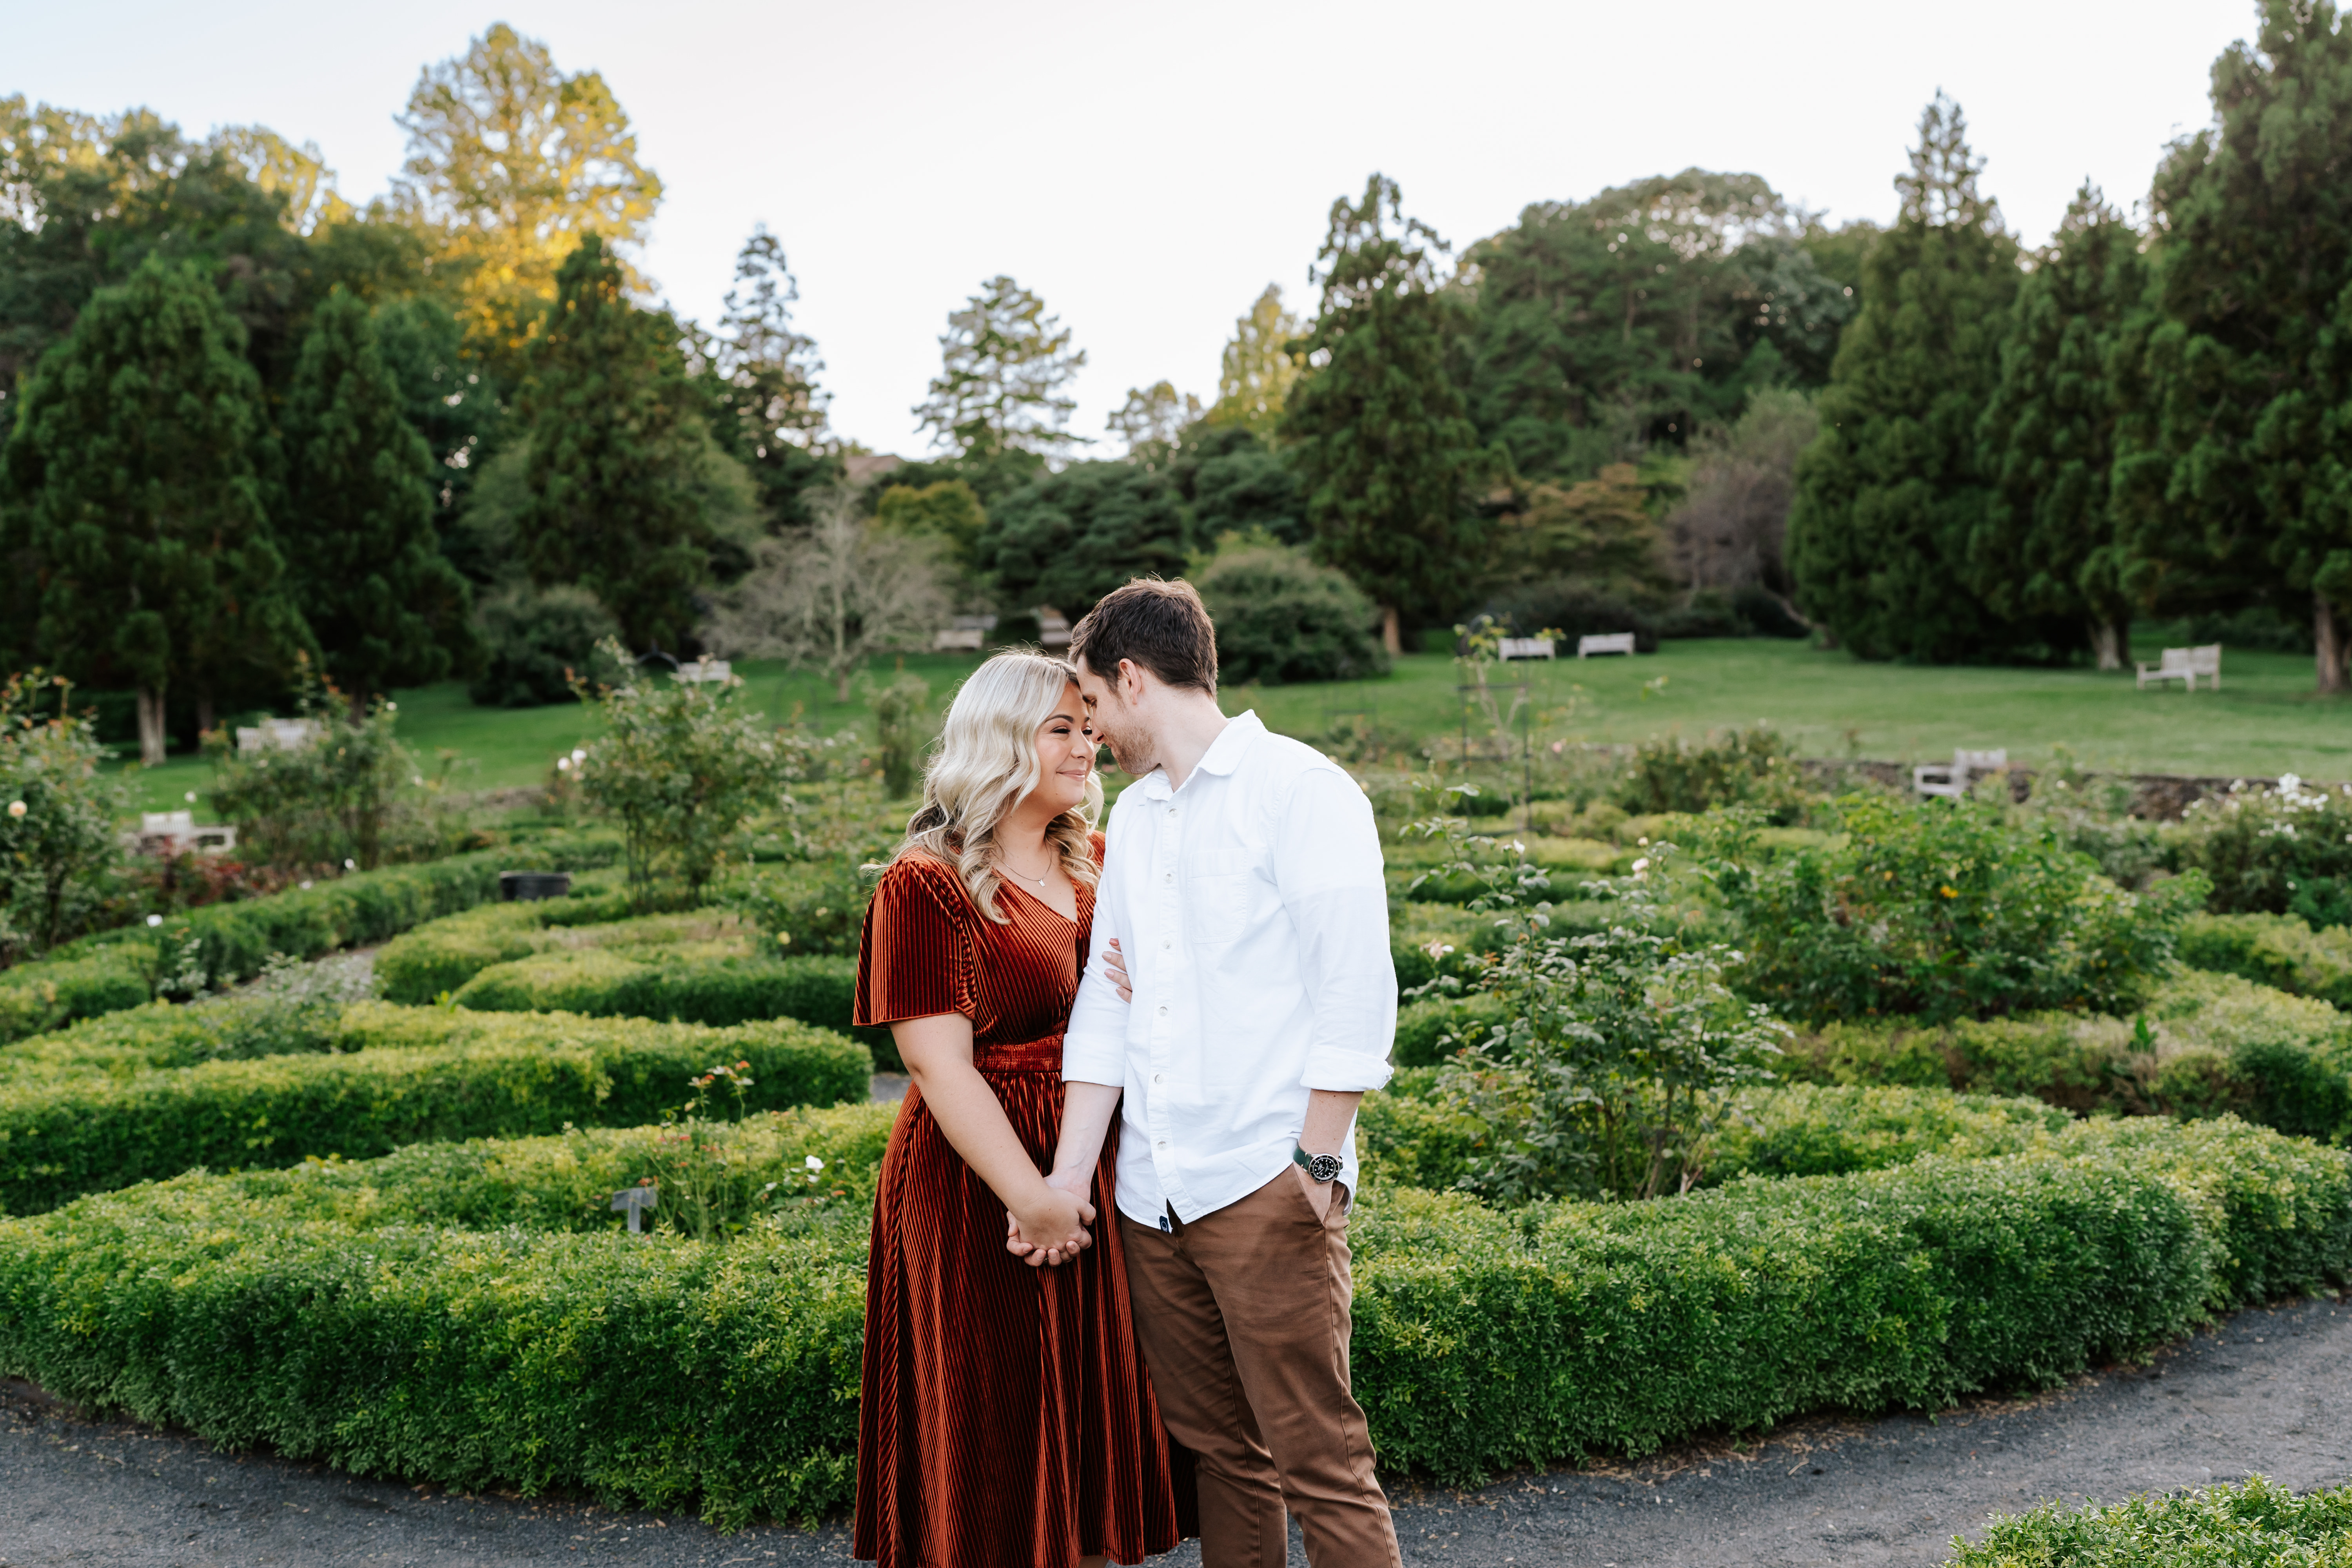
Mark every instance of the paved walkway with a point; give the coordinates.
(2266, 1392)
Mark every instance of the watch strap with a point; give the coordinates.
(1319, 1167)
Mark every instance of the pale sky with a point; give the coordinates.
(1149, 170)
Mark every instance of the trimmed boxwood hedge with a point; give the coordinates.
(390, 1076)
(115, 969)
(442, 955)
(692, 986)
(433, 1336)
(2278, 950)
(2254, 1525)
(2205, 1042)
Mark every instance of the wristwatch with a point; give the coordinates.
(1319, 1167)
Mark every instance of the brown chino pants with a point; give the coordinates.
(1243, 1317)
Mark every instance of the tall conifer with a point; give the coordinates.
(2047, 547)
(617, 450)
(132, 478)
(368, 572)
(1890, 494)
(1384, 449)
(2231, 475)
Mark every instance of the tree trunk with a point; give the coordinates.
(2106, 644)
(204, 713)
(151, 726)
(1391, 634)
(2328, 632)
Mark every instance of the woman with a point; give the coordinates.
(1007, 1419)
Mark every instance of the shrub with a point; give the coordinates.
(442, 956)
(535, 641)
(2278, 950)
(392, 1076)
(1616, 1051)
(2252, 1525)
(688, 986)
(2284, 850)
(1281, 617)
(1746, 767)
(57, 812)
(681, 767)
(902, 722)
(1433, 1028)
(331, 800)
(2205, 1044)
(449, 1313)
(1942, 910)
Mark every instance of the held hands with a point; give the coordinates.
(1115, 965)
(1050, 1225)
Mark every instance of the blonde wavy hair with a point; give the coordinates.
(986, 762)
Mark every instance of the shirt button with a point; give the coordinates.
(1163, 1143)
(1163, 1012)
(1171, 811)
(1167, 876)
(1166, 943)
(1157, 1076)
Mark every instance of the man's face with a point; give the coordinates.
(1115, 723)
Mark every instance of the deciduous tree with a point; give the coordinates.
(1256, 374)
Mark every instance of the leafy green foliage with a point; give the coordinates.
(1942, 910)
(2283, 851)
(443, 955)
(684, 984)
(903, 724)
(1890, 496)
(682, 765)
(2278, 950)
(367, 570)
(1005, 368)
(2254, 1524)
(1235, 483)
(1753, 767)
(341, 796)
(1618, 1050)
(759, 375)
(1282, 617)
(56, 825)
(1066, 539)
(1375, 427)
(391, 1077)
(535, 642)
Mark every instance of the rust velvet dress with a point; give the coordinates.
(1007, 1420)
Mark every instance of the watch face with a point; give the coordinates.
(1324, 1167)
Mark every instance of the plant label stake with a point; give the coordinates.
(637, 1200)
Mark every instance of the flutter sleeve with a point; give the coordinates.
(914, 956)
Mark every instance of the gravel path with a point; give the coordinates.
(2264, 1392)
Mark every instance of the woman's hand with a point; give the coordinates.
(1115, 965)
(1076, 1184)
(1048, 1224)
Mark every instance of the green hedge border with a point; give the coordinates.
(392, 1076)
(656, 1370)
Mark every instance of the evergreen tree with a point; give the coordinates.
(615, 500)
(2232, 481)
(1383, 448)
(759, 378)
(132, 478)
(368, 572)
(1891, 493)
(2046, 547)
(1005, 366)
(1066, 540)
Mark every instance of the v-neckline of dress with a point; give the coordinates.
(1076, 898)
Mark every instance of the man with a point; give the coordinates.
(1243, 886)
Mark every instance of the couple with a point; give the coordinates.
(1151, 1152)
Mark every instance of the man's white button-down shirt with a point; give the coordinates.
(1252, 914)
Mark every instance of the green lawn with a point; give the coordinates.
(2266, 719)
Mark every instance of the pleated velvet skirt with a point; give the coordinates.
(1007, 1419)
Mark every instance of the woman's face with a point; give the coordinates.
(1066, 758)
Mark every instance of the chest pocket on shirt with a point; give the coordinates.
(1220, 895)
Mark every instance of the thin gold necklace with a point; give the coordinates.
(1006, 864)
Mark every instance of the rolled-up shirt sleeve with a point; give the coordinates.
(1094, 1045)
(1327, 858)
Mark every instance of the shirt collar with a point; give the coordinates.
(1223, 756)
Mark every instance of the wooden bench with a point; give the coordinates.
(1604, 642)
(1524, 648)
(1935, 778)
(2185, 664)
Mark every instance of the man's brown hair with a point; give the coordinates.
(1162, 627)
